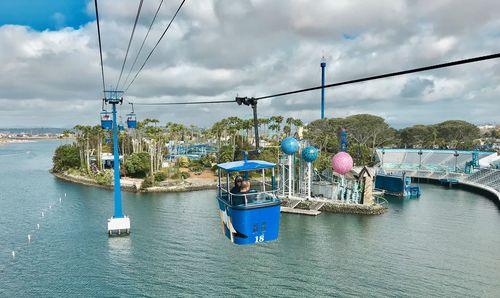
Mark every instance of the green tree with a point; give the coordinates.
(418, 136)
(457, 133)
(138, 164)
(369, 130)
(65, 157)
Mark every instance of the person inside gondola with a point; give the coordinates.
(245, 187)
(237, 185)
(239, 190)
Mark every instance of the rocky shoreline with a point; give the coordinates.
(134, 185)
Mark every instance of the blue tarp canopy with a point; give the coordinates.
(249, 165)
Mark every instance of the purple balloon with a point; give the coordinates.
(342, 163)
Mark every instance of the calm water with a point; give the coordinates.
(445, 244)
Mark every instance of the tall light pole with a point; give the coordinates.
(323, 65)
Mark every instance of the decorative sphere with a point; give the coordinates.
(289, 145)
(309, 154)
(342, 163)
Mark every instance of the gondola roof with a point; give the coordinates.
(249, 165)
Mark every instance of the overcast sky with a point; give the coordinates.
(216, 49)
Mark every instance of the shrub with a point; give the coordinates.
(183, 162)
(147, 182)
(103, 178)
(181, 175)
(160, 176)
(66, 157)
(207, 160)
(196, 168)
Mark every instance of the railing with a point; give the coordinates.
(250, 198)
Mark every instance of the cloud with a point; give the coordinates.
(417, 87)
(217, 49)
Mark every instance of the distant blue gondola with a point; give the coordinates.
(106, 120)
(250, 217)
(131, 120)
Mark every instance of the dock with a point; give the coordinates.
(300, 211)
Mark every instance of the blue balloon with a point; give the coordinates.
(289, 145)
(309, 154)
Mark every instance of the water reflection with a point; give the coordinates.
(119, 243)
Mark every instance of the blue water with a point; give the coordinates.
(445, 244)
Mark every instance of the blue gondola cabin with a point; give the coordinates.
(131, 121)
(106, 120)
(251, 216)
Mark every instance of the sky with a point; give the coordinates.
(218, 49)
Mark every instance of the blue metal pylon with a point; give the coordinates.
(113, 98)
(116, 159)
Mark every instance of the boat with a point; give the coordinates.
(254, 216)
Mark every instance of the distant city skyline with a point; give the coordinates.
(216, 49)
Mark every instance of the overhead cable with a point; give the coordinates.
(143, 42)
(130, 42)
(100, 45)
(387, 75)
(182, 103)
(154, 48)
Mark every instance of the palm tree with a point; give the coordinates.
(83, 134)
(217, 130)
(276, 126)
(264, 122)
(247, 125)
(98, 134)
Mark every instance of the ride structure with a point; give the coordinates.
(472, 164)
(289, 146)
(309, 154)
(119, 223)
(333, 190)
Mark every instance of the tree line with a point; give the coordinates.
(144, 148)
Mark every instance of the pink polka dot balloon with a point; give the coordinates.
(342, 163)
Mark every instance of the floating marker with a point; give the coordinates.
(43, 214)
(50, 206)
(29, 238)
(60, 199)
(38, 226)
(65, 194)
(13, 254)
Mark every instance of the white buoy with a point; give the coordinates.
(38, 226)
(29, 238)
(65, 194)
(13, 254)
(43, 214)
(50, 206)
(60, 199)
